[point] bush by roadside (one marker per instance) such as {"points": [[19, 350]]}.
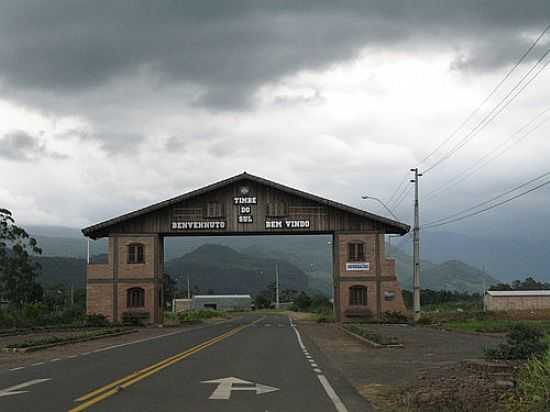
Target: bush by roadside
{"points": [[524, 341], [363, 331], [49, 340], [39, 314], [532, 386], [135, 318], [192, 316]]}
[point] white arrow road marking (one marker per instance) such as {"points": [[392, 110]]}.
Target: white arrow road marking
{"points": [[225, 386], [13, 390]]}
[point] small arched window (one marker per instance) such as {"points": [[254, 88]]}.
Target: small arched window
{"points": [[136, 253], [135, 298], [358, 295], [356, 251]]}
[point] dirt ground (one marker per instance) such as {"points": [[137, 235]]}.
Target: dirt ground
{"points": [[381, 374]]}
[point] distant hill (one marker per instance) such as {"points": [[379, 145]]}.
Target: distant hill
{"points": [[223, 270], [449, 275], [508, 258], [61, 270], [309, 254]]}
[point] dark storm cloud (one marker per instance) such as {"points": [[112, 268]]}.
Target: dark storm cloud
{"points": [[21, 146], [230, 48]]}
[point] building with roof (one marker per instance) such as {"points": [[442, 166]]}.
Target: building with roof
{"points": [[222, 302], [510, 300], [364, 279]]}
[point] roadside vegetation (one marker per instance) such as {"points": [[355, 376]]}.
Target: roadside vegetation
{"points": [[55, 340], [532, 392], [532, 383], [363, 330], [24, 303], [191, 317], [319, 306]]}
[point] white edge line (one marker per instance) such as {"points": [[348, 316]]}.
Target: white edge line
{"points": [[338, 404], [16, 369]]}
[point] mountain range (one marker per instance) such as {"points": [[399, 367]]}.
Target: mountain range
{"points": [[246, 263]]}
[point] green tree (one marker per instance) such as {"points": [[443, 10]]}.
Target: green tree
{"points": [[262, 301], [17, 270], [169, 288], [302, 302]]}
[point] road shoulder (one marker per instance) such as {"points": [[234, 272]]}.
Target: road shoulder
{"points": [[380, 375]]}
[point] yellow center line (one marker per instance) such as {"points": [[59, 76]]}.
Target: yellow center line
{"points": [[113, 388]]}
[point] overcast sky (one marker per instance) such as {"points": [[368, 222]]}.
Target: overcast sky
{"points": [[107, 109]]}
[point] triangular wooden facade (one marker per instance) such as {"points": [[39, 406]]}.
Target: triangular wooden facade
{"points": [[245, 204]]}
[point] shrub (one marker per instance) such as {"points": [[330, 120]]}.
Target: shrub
{"points": [[302, 302], [320, 304], [533, 386], [325, 316], [425, 320], [135, 318], [363, 331], [34, 311], [199, 314], [360, 313], [96, 319], [522, 342], [395, 317], [262, 302]]}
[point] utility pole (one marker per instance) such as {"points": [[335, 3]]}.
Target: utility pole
{"points": [[276, 285], [188, 288], [88, 251], [416, 248]]}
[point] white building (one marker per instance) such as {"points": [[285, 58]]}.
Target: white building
{"points": [[502, 300], [222, 302]]}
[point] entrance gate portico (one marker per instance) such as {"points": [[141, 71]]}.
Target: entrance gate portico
{"points": [[364, 280]]}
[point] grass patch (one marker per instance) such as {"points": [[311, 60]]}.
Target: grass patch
{"points": [[64, 339], [363, 330], [533, 386], [494, 326], [198, 315], [324, 317]]}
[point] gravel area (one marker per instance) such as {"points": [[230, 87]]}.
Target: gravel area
{"points": [[378, 373]]}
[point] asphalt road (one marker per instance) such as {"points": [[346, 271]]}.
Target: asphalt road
{"points": [[253, 363]]}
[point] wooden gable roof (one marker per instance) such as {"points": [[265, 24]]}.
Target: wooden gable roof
{"points": [[103, 228]]}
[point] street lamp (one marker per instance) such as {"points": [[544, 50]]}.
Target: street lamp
{"points": [[365, 197]]}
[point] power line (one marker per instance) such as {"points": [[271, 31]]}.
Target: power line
{"points": [[494, 154], [474, 112], [504, 102], [493, 91], [399, 187], [490, 207], [398, 197], [461, 216], [408, 189]]}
